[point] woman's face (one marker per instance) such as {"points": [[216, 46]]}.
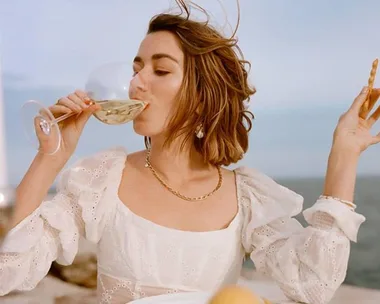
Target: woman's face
{"points": [[158, 69]]}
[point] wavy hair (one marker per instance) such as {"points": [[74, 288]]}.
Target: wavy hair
{"points": [[214, 90]]}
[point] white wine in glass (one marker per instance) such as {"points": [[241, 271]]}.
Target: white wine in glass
{"points": [[116, 112], [108, 86]]}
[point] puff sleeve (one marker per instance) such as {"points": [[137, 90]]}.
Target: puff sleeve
{"points": [[53, 230], [308, 263]]}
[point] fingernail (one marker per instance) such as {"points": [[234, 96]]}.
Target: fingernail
{"points": [[365, 90]]}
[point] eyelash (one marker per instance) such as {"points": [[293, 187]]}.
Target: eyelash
{"points": [[161, 73], [157, 72]]}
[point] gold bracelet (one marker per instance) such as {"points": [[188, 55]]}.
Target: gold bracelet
{"points": [[348, 203]]}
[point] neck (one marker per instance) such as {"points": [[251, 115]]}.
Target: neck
{"points": [[175, 164]]}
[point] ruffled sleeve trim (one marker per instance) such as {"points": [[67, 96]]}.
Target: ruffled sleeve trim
{"points": [[345, 218], [53, 224]]}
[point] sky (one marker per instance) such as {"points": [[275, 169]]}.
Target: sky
{"points": [[309, 61]]}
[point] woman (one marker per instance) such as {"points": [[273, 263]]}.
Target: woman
{"points": [[170, 218]]}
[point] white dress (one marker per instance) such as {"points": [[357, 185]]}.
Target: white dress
{"points": [[138, 258]]}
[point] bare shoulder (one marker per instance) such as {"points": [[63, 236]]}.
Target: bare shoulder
{"points": [[136, 159]]}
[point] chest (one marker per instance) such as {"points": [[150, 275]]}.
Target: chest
{"points": [[150, 255], [145, 196]]}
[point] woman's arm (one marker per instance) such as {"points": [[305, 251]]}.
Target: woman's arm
{"points": [[351, 137], [35, 186], [341, 174], [45, 168]]}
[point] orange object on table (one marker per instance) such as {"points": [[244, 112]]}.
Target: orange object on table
{"points": [[236, 295]]}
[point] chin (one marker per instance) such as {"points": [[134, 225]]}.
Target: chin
{"points": [[140, 127], [143, 128]]}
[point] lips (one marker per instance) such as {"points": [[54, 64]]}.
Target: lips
{"points": [[146, 104], [137, 98]]}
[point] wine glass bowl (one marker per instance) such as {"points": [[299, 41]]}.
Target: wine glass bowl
{"points": [[117, 112]]}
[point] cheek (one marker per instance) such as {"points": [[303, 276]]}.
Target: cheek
{"points": [[169, 89]]}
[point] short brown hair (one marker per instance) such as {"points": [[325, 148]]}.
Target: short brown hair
{"points": [[213, 91]]}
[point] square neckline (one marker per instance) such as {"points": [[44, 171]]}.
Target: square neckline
{"points": [[116, 178]]}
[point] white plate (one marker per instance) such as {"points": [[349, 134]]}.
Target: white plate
{"points": [[177, 298]]}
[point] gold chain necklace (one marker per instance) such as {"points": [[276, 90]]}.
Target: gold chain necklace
{"points": [[184, 197]]}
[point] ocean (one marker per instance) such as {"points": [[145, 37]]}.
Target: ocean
{"points": [[364, 262]]}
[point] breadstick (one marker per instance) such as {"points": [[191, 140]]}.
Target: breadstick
{"points": [[371, 80], [372, 76]]}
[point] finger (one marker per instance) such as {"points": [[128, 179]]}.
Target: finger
{"points": [[82, 95], [47, 136], [374, 117], [374, 97], [359, 100], [375, 139], [363, 112], [77, 100], [38, 122], [371, 101], [70, 104], [58, 110], [85, 115]]}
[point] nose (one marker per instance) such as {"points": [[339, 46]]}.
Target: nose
{"points": [[138, 83]]}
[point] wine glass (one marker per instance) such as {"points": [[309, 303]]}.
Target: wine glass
{"points": [[108, 86]]}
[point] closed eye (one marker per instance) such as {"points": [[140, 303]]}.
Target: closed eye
{"points": [[161, 73]]}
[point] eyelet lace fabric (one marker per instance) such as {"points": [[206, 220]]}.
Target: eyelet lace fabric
{"points": [[138, 258]]}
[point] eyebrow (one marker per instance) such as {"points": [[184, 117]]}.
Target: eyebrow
{"points": [[157, 56]]}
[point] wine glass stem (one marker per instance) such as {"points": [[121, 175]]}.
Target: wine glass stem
{"points": [[63, 117]]}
